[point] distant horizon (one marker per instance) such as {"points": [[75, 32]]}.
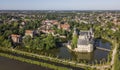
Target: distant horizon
{"points": [[60, 5], [53, 10]]}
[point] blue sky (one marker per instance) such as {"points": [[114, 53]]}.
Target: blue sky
{"points": [[60, 4]]}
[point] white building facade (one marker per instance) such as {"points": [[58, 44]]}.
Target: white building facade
{"points": [[85, 41]]}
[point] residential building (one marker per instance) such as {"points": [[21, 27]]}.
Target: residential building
{"points": [[50, 22], [64, 26], [48, 31], [29, 33], [116, 21], [16, 38]]}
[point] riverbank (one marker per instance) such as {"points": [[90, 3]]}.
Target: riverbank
{"points": [[40, 58], [33, 62]]}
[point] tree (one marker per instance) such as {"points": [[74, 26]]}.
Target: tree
{"points": [[27, 41], [7, 33], [74, 41], [4, 42], [50, 42], [21, 31]]}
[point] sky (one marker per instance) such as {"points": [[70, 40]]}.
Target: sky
{"points": [[59, 4]]}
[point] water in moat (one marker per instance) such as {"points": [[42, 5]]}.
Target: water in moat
{"points": [[10, 64], [96, 56]]}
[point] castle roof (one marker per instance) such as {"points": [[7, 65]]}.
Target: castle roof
{"points": [[84, 37], [83, 42]]}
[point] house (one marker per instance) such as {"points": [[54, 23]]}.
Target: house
{"points": [[16, 38], [48, 31], [85, 41], [52, 22], [64, 26], [48, 24], [116, 21], [114, 29], [29, 33]]}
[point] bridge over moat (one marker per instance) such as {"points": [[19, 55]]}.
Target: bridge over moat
{"points": [[104, 49]]}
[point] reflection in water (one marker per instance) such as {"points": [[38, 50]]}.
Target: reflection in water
{"points": [[64, 53], [84, 56]]}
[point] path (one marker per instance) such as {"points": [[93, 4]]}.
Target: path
{"points": [[113, 56]]}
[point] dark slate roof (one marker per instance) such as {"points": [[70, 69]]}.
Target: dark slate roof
{"points": [[83, 42], [84, 33]]}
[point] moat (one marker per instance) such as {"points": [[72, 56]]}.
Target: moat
{"points": [[63, 53], [97, 55]]}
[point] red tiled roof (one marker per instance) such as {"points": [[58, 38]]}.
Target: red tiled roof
{"points": [[65, 25], [51, 21], [28, 31], [15, 35]]}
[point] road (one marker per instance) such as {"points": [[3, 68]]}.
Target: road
{"points": [[113, 56]]}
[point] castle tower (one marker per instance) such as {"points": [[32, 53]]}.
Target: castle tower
{"points": [[91, 32], [75, 32]]}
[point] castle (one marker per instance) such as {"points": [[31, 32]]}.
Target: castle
{"points": [[85, 41]]}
